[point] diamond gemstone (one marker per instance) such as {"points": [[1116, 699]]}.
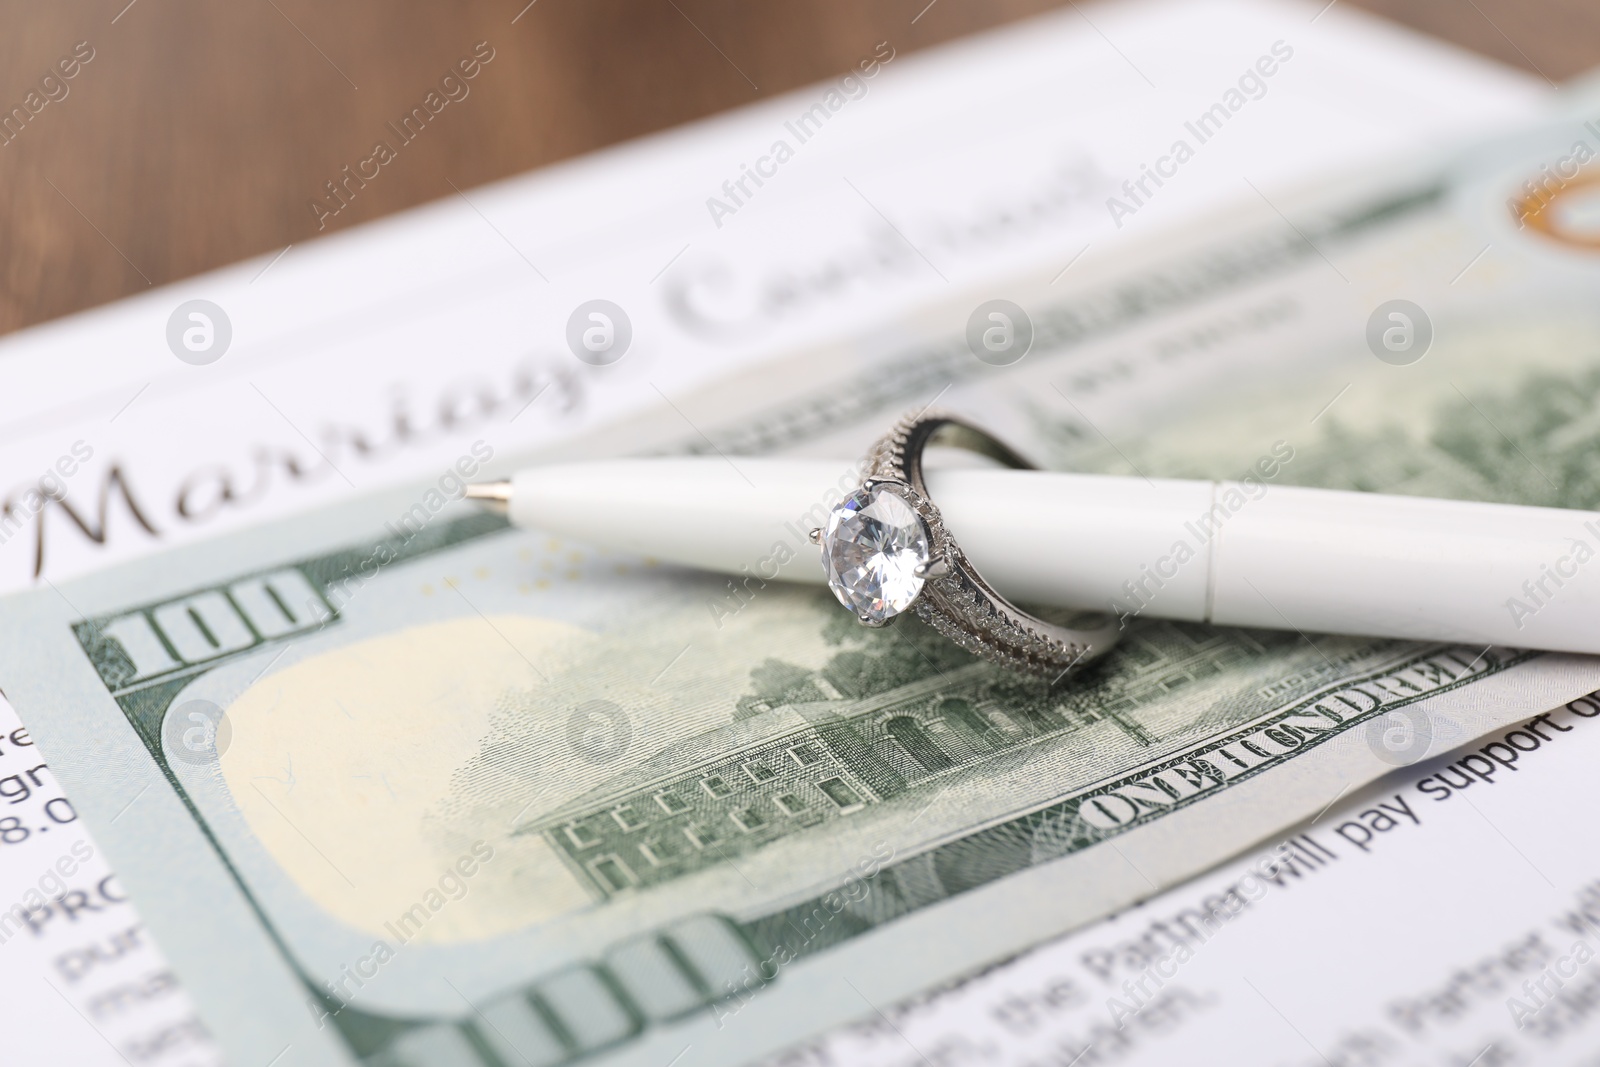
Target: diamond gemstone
{"points": [[872, 546]]}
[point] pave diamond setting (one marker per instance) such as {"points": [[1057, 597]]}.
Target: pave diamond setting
{"points": [[876, 549], [886, 550]]}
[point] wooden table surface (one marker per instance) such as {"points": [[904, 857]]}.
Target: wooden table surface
{"points": [[198, 131]]}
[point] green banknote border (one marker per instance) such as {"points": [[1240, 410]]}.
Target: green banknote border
{"points": [[145, 703]]}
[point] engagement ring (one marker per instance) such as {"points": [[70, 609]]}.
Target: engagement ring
{"points": [[886, 550]]}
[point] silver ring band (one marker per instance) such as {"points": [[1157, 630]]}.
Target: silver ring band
{"points": [[915, 563]]}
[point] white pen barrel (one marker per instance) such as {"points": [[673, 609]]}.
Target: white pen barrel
{"points": [[1080, 540], [1070, 540], [694, 512], [1367, 563], [1273, 556]]}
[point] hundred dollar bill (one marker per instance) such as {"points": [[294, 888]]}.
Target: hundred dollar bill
{"points": [[397, 784]]}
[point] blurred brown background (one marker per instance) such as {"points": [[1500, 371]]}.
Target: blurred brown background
{"points": [[199, 131]]}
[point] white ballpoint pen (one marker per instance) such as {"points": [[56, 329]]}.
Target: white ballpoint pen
{"points": [[1252, 554]]}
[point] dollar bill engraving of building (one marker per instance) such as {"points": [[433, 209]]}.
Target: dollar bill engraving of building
{"points": [[787, 766]]}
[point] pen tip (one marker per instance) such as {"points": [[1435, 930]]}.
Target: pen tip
{"points": [[496, 496]]}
